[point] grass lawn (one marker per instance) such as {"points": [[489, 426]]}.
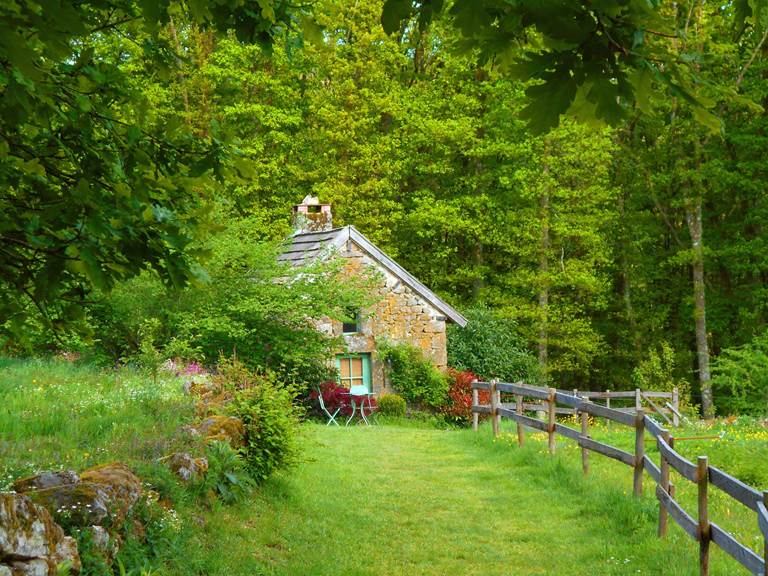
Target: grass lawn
{"points": [[389, 500], [384, 500]]}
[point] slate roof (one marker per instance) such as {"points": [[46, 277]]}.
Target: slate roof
{"points": [[307, 246]]}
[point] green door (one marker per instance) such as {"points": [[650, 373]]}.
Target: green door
{"points": [[354, 370]]}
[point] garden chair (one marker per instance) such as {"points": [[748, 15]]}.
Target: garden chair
{"points": [[331, 417]]}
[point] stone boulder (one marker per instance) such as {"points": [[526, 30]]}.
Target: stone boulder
{"points": [[103, 493], [46, 480], [31, 543], [226, 428], [34, 567], [103, 543], [186, 467], [210, 397]]}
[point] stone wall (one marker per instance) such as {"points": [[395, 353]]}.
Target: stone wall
{"points": [[400, 315]]}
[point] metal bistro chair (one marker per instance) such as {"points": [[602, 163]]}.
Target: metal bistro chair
{"points": [[331, 417]]}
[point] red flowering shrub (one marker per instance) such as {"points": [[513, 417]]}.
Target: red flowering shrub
{"points": [[459, 406], [336, 396]]}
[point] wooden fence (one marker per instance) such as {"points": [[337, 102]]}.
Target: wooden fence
{"points": [[700, 473]]}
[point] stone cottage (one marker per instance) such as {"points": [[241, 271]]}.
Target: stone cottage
{"points": [[407, 311]]}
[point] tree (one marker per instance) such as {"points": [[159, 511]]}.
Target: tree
{"points": [[583, 56], [94, 191]]}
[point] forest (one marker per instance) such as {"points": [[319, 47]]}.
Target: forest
{"points": [[615, 216]]}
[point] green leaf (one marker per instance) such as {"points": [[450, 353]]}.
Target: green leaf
{"points": [[393, 13], [311, 30], [642, 83], [708, 119], [549, 101]]}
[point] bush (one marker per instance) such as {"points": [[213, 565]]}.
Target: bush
{"points": [[271, 426], [491, 347], [413, 376], [227, 476], [740, 378], [392, 405], [459, 407], [657, 372], [335, 396]]}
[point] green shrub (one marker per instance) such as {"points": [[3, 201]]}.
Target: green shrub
{"points": [[392, 405], [271, 426], [93, 561], [227, 475], [658, 372], [491, 347], [413, 376], [152, 532], [740, 378]]}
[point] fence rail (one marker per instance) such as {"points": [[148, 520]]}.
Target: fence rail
{"points": [[579, 403]]}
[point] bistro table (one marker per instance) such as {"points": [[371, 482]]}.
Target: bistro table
{"points": [[359, 394]]}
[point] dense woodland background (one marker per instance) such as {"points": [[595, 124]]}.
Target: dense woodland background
{"points": [[625, 255]]}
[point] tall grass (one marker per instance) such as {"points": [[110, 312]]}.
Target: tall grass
{"points": [[54, 415]]}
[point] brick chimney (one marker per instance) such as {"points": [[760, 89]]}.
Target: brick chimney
{"points": [[311, 216]]}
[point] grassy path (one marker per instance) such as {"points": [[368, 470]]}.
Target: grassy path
{"points": [[402, 501]]}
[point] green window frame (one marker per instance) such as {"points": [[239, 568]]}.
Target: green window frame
{"points": [[352, 326], [354, 370]]}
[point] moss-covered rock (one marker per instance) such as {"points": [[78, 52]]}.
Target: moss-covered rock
{"points": [[31, 543], [226, 428], [46, 480], [186, 467], [123, 487], [80, 504], [103, 496]]}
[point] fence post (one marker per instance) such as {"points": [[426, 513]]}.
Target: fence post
{"points": [[639, 452], [520, 427], [676, 404], [638, 400], [498, 414], [765, 537], [475, 402], [551, 420], [702, 479], [664, 483], [585, 434], [494, 409], [608, 405]]}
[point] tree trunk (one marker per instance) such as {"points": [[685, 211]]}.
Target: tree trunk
{"points": [[479, 282], [544, 271], [626, 287], [693, 218]]}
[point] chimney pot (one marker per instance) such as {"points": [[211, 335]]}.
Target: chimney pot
{"points": [[312, 216]]}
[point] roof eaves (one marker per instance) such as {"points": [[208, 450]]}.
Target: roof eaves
{"points": [[405, 276]]}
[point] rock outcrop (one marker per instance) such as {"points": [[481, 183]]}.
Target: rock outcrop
{"points": [[226, 428], [46, 480], [186, 467], [31, 543], [100, 495]]}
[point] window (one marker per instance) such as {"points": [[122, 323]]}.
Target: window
{"points": [[353, 326], [354, 370]]}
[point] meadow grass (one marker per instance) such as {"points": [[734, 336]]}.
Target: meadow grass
{"points": [[385, 500], [391, 500], [57, 415]]}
